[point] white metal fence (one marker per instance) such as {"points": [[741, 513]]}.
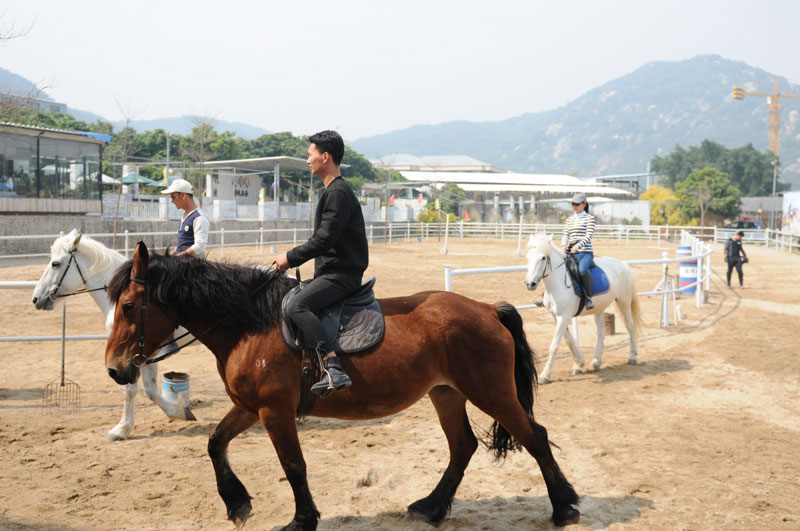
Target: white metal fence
{"points": [[414, 230]]}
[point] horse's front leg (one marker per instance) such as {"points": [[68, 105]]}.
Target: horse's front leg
{"points": [[577, 357], [282, 429], [561, 328], [174, 410], [600, 322], [231, 490], [124, 429]]}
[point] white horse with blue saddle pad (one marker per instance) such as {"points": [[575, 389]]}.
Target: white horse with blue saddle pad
{"points": [[613, 282]]}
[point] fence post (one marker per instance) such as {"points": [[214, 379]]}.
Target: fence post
{"points": [[126, 243], [698, 300], [448, 279], [665, 294], [261, 239], [461, 230], [390, 233], [371, 239], [408, 231], [222, 240]]}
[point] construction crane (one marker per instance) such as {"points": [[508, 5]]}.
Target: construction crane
{"points": [[774, 101]]}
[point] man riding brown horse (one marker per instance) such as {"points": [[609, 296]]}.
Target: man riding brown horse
{"points": [[339, 249]]}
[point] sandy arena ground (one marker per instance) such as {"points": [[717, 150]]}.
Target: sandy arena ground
{"points": [[704, 433]]}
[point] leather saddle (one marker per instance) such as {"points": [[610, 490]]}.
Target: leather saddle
{"points": [[353, 324], [600, 282]]}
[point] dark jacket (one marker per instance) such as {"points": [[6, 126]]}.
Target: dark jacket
{"points": [[339, 242], [732, 250]]}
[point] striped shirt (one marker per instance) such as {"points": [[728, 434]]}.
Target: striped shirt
{"points": [[579, 232]]}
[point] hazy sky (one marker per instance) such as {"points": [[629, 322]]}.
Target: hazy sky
{"points": [[369, 67]]}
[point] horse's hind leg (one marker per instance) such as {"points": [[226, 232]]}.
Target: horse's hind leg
{"points": [[600, 322], [231, 490], [124, 429], [508, 412], [282, 429], [174, 410], [450, 407], [627, 316]]}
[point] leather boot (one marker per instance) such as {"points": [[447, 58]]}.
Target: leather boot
{"points": [[333, 378], [588, 284]]}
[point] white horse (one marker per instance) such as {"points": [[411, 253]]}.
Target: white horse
{"points": [[546, 262], [79, 264]]}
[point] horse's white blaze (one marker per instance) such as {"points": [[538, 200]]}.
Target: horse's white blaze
{"points": [[97, 264], [546, 267]]}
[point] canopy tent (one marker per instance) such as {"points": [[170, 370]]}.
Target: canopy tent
{"points": [[135, 178]]}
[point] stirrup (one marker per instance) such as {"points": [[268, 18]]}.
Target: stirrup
{"points": [[589, 304]]}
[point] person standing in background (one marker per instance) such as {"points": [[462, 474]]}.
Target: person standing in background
{"points": [[193, 230], [735, 257]]}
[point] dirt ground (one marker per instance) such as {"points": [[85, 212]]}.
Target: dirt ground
{"points": [[704, 433]]}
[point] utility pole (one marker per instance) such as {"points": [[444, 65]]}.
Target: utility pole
{"points": [[772, 222]]}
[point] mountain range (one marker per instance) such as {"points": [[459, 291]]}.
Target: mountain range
{"points": [[180, 125], [616, 128]]}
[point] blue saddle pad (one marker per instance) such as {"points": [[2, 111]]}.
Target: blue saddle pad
{"points": [[600, 284]]}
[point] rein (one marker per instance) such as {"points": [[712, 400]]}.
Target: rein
{"points": [[55, 295], [140, 355]]}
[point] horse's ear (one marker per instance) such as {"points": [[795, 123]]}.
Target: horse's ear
{"points": [[77, 239], [141, 260], [531, 241]]}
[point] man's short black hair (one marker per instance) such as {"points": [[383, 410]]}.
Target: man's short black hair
{"points": [[329, 142], [740, 233]]}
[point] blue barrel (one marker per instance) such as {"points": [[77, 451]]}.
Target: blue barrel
{"points": [[174, 385], [687, 272]]}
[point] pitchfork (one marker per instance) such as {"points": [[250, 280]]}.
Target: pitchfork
{"points": [[62, 393]]}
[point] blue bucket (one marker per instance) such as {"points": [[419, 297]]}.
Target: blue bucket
{"points": [[687, 270], [174, 385]]}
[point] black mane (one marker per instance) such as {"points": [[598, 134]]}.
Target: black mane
{"points": [[229, 294]]}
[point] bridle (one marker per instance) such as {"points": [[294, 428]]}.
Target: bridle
{"points": [[549, 266], [140, 360], [54, 293]]}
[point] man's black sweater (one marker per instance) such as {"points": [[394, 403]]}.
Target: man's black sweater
{"points": [[339, 242]]}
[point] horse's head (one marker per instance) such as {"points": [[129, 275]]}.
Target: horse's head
{"points": [[539, 249], [140, 325], [64, 273]]}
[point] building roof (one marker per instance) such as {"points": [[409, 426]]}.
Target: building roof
{"points": [[50, 132], [514, 182], [406, 162], [260, 165]]}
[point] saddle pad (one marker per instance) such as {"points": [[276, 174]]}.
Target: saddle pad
{"points": [[352, 327], [600, 284]]}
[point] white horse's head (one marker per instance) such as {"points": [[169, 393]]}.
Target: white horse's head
{"points": [[540, 249], [74, 260]]}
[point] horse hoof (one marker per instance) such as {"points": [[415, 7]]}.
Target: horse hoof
{"points": [[239, 517], [571, 516], [575, 372], [188, 415], [631, 361], [116, 434], [543, 380], [595, 366]]}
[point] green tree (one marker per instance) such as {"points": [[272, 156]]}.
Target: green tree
{"points": [[450, 196], [748, 169], [708, 189]]}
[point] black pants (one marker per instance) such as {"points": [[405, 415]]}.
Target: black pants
{"points": [[318, 294], [735, 261]]}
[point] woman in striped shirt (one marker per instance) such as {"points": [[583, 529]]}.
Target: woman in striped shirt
{"points": [[577, 240]]}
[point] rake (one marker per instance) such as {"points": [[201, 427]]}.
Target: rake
{"points": [[62, 393]]}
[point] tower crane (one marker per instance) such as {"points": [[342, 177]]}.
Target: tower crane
{"points": [[774, 101]]}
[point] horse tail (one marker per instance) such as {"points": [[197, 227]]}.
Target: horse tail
{"points": [[636, 315], [524, 377]]}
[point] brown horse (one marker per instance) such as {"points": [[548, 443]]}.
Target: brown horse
{"points": [[450, 347]]}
